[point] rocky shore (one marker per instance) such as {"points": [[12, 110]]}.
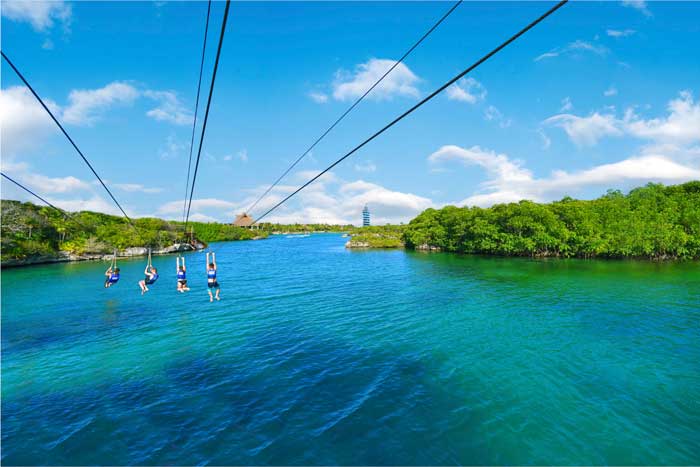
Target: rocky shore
{"points": [[375, 240], [357, 244], [65, 257]]}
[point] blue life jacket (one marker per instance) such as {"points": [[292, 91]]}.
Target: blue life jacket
{"points": [[181, 275], [153, 278], [114, 278], [211, 274]]}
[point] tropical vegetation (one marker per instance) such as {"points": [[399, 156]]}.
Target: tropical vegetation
{"points": [[29, 230], [303, 228], [654, 221], [377, 236]]}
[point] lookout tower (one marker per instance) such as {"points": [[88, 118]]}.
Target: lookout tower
{"points": [[243, 220], [365, 217]]}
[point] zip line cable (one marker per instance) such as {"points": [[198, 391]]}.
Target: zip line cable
{"points": [[29, 86], [196, 109], [62, 211], [206, 113], [419, 104], [32, 193], [330, 128]]}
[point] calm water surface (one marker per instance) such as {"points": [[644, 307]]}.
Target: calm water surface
{"points": [[318, 355]]}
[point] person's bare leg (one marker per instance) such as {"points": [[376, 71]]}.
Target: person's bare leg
{"points": [[217, 294], [211, 298]]}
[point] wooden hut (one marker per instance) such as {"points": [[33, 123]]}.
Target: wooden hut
{"points": [[244, 220]]}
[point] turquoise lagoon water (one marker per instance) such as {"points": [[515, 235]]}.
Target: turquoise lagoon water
{"points": [[318, 355]]}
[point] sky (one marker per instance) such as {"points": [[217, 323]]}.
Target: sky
{"points": [[601, 95]]}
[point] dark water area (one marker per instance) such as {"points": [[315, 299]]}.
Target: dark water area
{"points": [[320, 355]]}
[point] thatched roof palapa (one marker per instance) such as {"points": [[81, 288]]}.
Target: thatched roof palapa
{"points": [[243, 220]]}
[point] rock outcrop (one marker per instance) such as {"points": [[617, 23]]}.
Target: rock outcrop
{"points": [[357, 244], [426, 247]]}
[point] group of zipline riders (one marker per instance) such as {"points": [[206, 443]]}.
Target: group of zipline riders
{"points": [[151, 275]]}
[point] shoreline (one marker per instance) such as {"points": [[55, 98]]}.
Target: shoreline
{"points": [[136, 252], [130, 252], [364, 245]]}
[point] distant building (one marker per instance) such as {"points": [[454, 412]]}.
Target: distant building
{"points": [[243, 220], [365, 217]]}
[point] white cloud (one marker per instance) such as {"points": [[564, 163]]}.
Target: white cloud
{"points": [[85, 105], [47, 44], [386, 205], [546, 141], [586, 131], [172, 148], [368, 167], [241, 155], [498, 165], [329, 200], [580, 45], [47, 187], [546, 55], [509, 181], [197, 217], [577, 46], [175, 207], [620, 33], [489, 199], [492, 114], [169, 108], [467, 90], [566, 104], [40, 14], [611, 91], [640, 5], [94, 203], [681, 126], [318, 97], [400, 82], [304, 175], [137, 188], [44, 184], [23, 122], [638, 169], [56, 184]]}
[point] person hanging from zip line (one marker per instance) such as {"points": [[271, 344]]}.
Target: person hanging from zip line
{"points": [[151, 274], [181, 276], [212, 283], [112, 277], [112, 273]]}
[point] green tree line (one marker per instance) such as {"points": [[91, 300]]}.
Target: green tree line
{"points": [[30, 230], [303, 228], [654, 221], [379, 236]]}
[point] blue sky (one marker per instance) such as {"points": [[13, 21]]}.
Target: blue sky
{"points": [[600, 95]]}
